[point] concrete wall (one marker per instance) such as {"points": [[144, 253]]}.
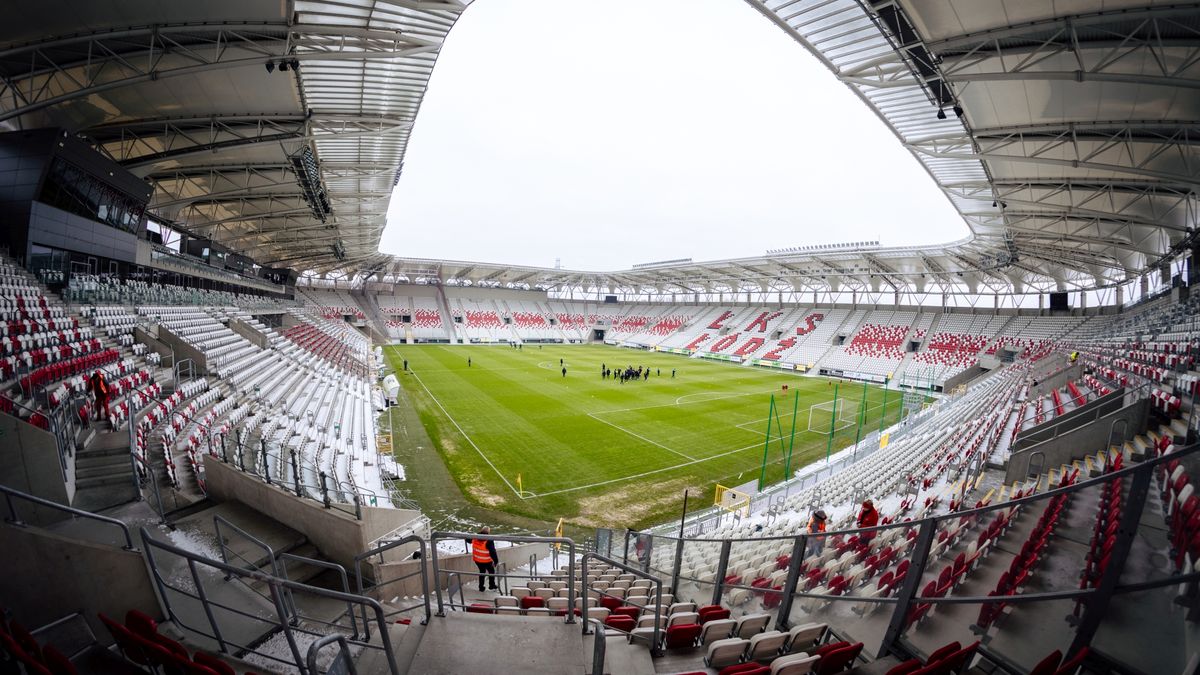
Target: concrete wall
{"points": [[337, 534], [47, 576], [1085, 440], [182, 349], [963, 377], [1070, 421], [146, 338], [254, 336], [29, 462], [513, 557], [1045, 382]]}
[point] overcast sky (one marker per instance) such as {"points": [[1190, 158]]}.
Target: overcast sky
{"points": [[613, 133]]}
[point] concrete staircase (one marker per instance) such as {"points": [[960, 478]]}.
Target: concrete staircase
{"points": [[447, 317], [375, 317]]}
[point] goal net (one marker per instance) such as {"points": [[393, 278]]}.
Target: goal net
{"points": [[821, 416], [732, 500]]}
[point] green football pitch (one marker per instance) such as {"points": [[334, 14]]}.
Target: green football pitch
{"points": [[520, 437]]}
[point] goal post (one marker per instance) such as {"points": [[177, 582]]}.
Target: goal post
{"points": [[837, 415]]}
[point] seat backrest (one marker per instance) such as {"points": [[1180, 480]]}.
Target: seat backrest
{"points": [[825, 649], [839, 659], [621, 622], [909, 666], [683, 618], [794, 664], [943, 651], [718, 629], [56, 662], [804, 636], [958, 660], [126, 641], [725, 652], [1071, 666], [766, 644], [532, 601], [25, 639], [212, 662], [752, 624], [682, 607], [141, 623]]}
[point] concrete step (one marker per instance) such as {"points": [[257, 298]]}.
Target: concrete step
{"points": [[102, 481], [620, 657], [110, 466]]}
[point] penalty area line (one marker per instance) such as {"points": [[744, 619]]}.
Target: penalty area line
{"points": [[641, 437], [464, 434]]}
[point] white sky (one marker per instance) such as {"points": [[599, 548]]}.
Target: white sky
{"points": [[613, 133]]}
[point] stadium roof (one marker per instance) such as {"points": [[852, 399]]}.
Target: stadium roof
{"points": [[279, 128]]}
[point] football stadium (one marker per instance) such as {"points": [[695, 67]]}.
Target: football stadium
{"points": [[269, 404]]}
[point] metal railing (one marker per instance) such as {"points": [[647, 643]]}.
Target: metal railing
{"points": [[195, 588], [270, 559], [15, 518], [656, 583], [922, 542], [342, 663], [599, 646], [511, 538], [379, 583]]}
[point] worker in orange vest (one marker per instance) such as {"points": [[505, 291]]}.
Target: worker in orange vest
{"points": [[816, 525], [483, 552]]}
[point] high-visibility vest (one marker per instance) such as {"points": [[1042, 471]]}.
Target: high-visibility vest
{"points": [[480, 552], [815, 525]]}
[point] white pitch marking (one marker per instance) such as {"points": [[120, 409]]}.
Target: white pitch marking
{"points": [[639, 436], [460, 430]]}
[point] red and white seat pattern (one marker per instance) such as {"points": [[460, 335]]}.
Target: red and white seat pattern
{"points": [[427, 318], [482, 319], [879, 341], [326, 346]]}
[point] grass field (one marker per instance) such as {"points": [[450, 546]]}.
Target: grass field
{"points": [[602, 453]]}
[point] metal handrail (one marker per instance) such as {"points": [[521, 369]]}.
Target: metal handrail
{"points": [[379, 551], [315, 648], [277, 588], [326, 564], [271, 556], [15, 518], [599, 646], [658, 584], [512, 538]]}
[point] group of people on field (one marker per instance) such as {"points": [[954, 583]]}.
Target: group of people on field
{"points": [[630, 373]]}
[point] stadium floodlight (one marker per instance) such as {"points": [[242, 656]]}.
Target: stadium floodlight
{"points": [[941, 114], [283, 65], [958, 110]]}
